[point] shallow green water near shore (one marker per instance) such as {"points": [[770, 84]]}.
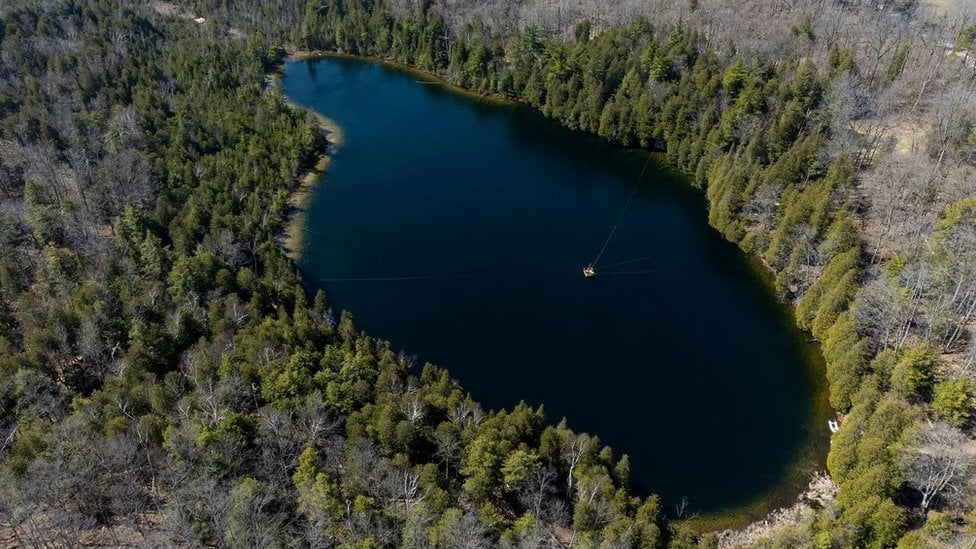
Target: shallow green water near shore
{"points": [[478, 218]]}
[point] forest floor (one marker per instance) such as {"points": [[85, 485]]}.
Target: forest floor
{"points": [[909, 134], [140, 530], [943, 6], [169, 9]]}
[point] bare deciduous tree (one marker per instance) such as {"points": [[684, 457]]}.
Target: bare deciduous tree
{"points": [[938, 459], [576, 447]]}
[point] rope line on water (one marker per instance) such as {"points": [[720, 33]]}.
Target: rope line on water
{"points": [[627, 262], [622, 212], [622, 273], [468, 277], [393, 278]]}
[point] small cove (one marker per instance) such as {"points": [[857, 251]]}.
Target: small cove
{"points": [[692, 368]]}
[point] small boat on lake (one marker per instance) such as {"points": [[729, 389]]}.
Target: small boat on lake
{"points": [[589, 271]]}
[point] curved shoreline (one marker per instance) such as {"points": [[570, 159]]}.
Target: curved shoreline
{"points": [[425, 76], [798, 484], [292, 238], [786, 495]]}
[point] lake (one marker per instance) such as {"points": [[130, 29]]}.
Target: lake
{"points": [[457, 229]]}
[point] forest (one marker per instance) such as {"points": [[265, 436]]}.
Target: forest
{"points": [[166, 380]]}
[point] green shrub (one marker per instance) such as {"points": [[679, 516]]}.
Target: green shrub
{"points": [[912, 374], [952, 401]]}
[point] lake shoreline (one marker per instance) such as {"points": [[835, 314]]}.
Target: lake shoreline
{"points": [[805, 485], [819, 494], [425, 76], [292, 237], [764, 507]]}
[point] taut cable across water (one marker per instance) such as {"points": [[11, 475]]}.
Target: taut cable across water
{"points": [[622, 212]]}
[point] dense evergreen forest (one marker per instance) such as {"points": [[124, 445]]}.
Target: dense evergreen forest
{"points": [[165, 379]]}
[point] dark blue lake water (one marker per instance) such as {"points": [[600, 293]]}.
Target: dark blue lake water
{"points": [[691, 366]]}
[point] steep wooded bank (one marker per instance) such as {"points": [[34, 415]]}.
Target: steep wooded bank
{"points": [[163, 374], [809, 161]]}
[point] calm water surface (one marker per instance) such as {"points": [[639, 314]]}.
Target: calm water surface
{"points": [[691, 367]]}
